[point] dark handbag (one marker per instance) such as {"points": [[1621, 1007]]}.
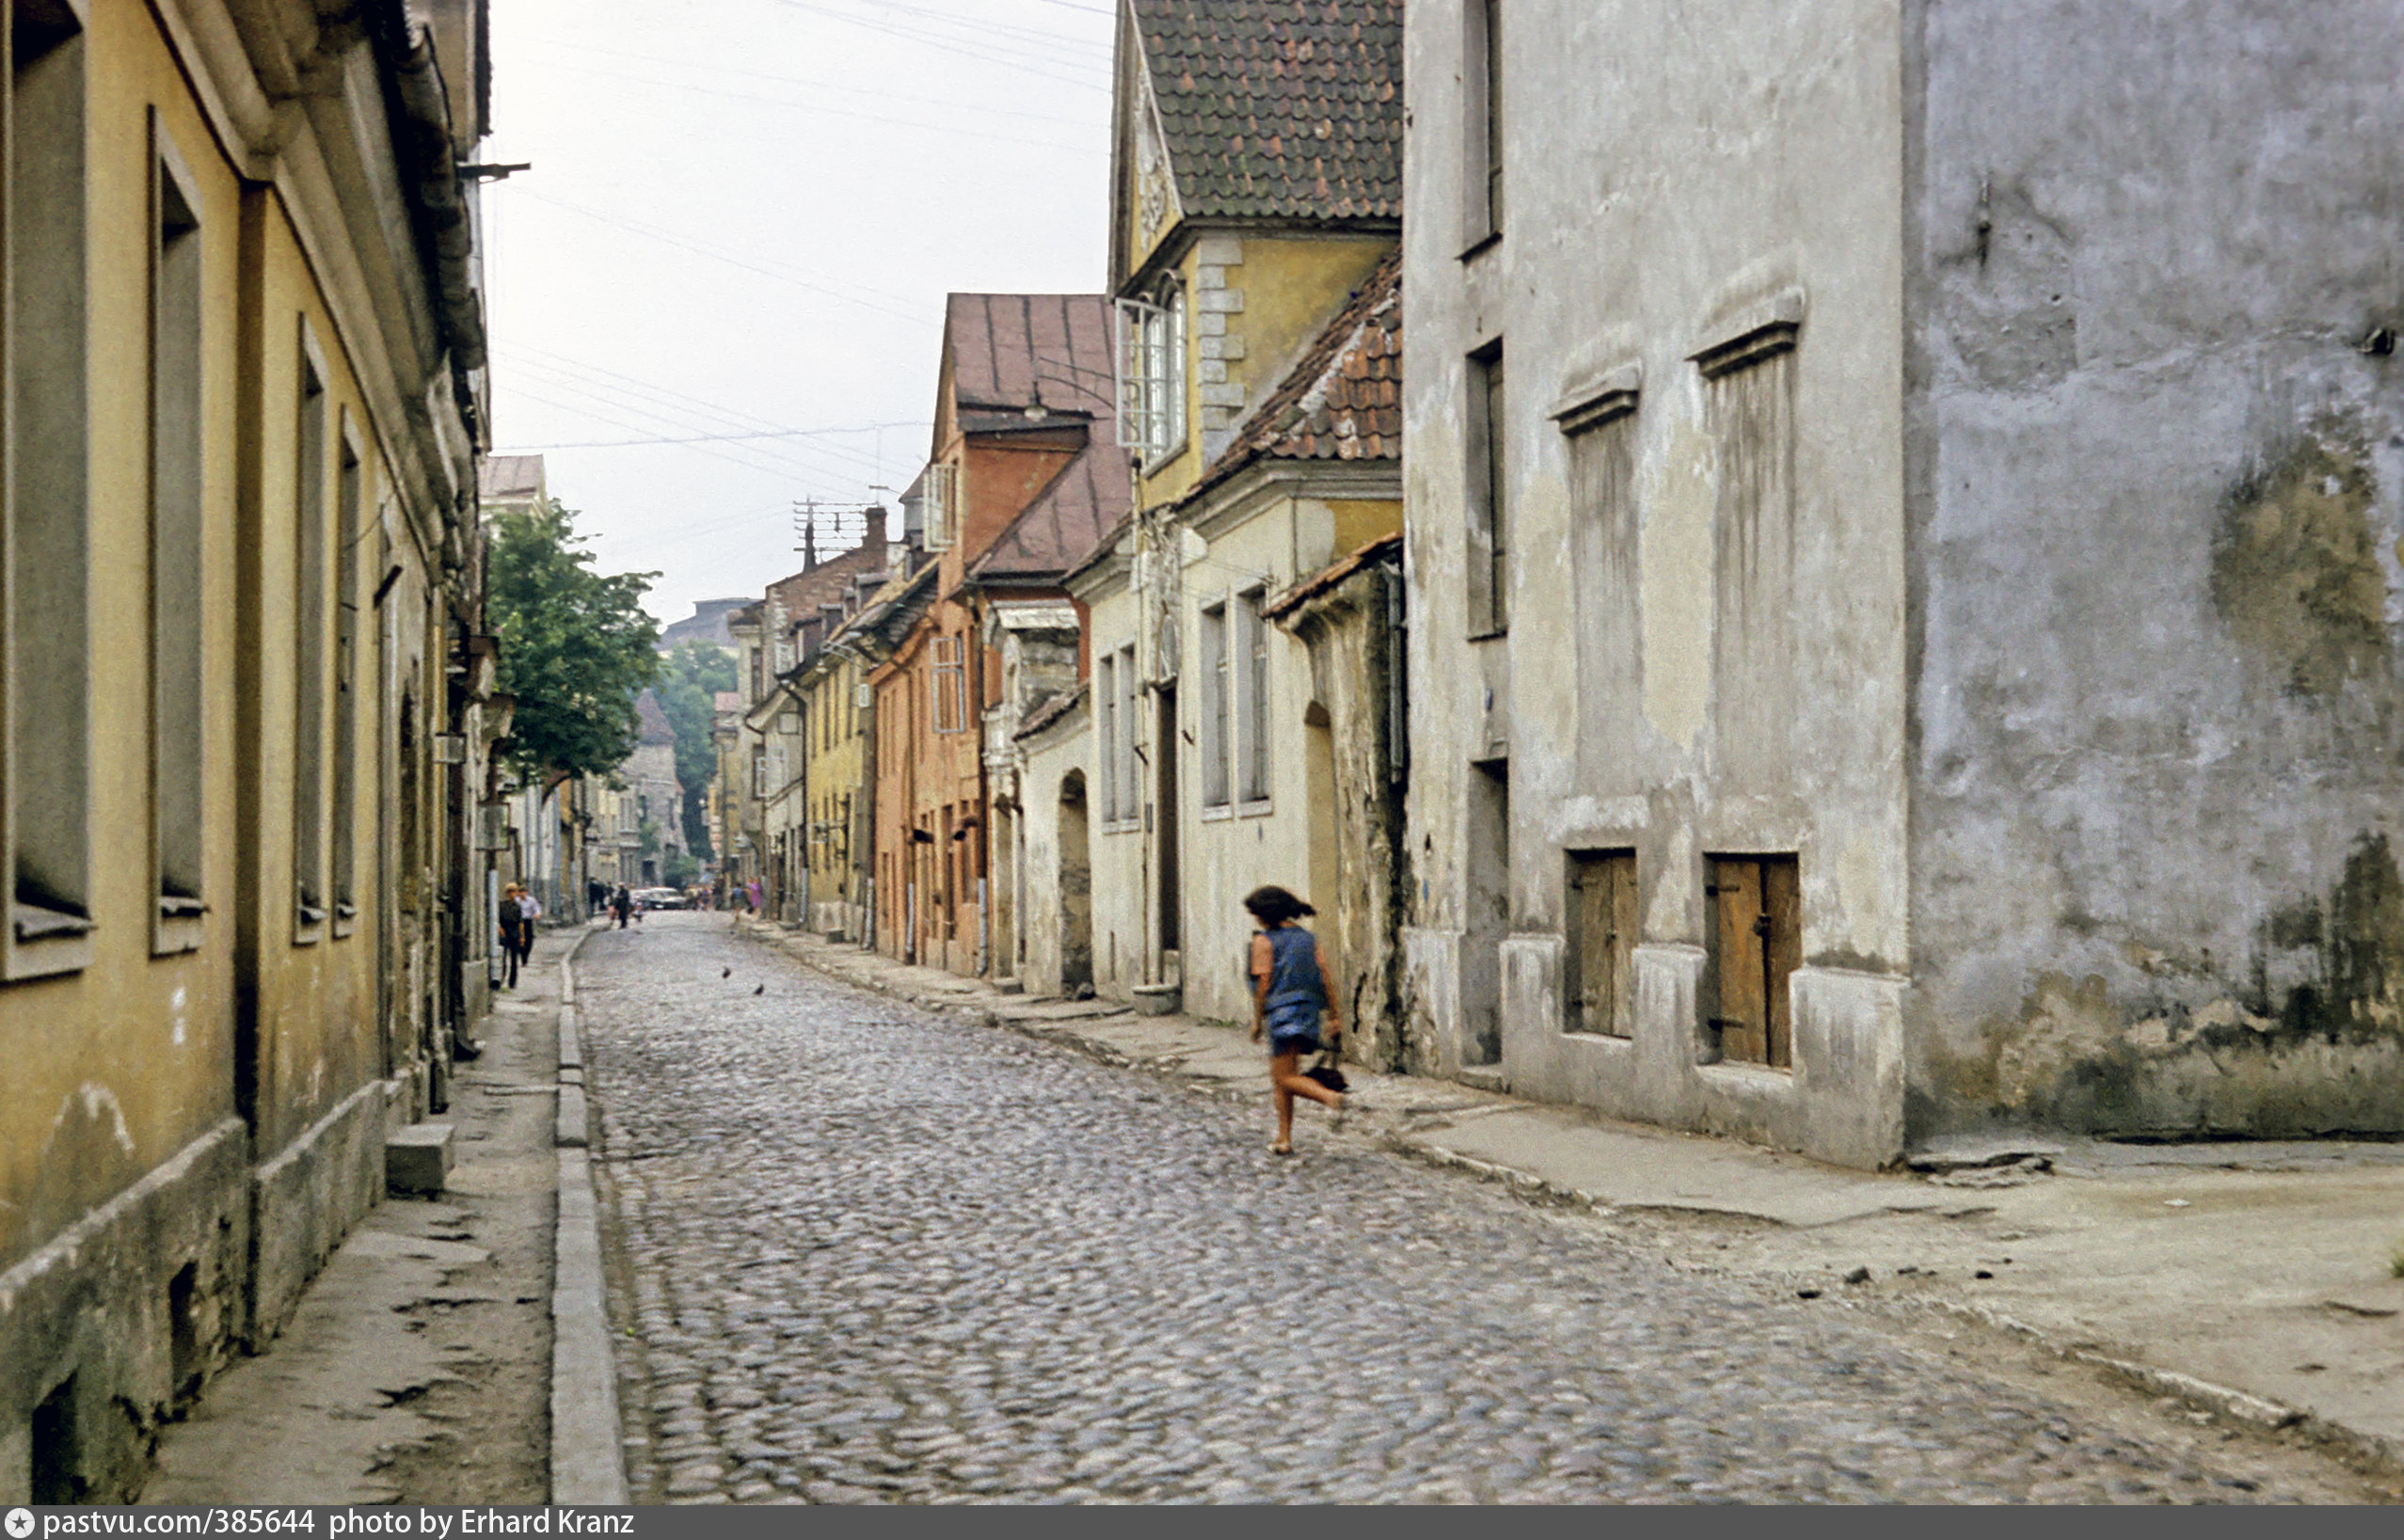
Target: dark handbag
{"points": [[1326, 1074]]}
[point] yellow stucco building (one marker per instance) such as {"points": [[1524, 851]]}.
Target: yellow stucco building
{"points": [[1255, 211], [242, 362]]}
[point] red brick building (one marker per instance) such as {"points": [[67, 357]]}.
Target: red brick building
{"points": [[1021, 481]]}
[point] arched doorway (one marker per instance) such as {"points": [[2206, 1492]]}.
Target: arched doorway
{"points": [[1076, 888]]}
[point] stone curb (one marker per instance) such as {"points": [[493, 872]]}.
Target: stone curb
{"points": [[2199, 1395], [588, 1466]]}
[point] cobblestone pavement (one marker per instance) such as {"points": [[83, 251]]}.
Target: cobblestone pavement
{"points": [[874, 1254]]}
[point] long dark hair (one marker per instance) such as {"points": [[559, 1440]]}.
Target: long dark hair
{"points": [[1274, 906]]}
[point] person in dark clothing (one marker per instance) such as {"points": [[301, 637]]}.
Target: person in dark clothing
{"points": [[596, 898], [512, 928], [1291, 994], [622, 905]]}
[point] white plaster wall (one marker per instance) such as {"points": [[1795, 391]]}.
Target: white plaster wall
{"points": [[1116, 847], [1229, 851]]}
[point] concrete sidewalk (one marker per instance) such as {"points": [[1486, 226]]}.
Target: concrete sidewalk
{"points": [[2249, 1280], [417, 1366]]}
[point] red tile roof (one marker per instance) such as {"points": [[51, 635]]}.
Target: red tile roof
{"points": [[1343, 399], [1280, 108]]}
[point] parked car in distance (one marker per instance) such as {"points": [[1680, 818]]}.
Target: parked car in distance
{"points": [[661, 899]]}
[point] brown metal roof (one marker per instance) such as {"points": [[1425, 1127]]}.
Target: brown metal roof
{"points": [[1009, 351], [1054, 532], [1279, 109]]}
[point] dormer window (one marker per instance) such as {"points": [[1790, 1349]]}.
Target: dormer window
{"points": [[1152, 374]]}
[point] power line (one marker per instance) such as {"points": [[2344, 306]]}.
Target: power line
{"points": [[712, 438], [838, 112], [669, 404], [637, 227], [715, 69]]}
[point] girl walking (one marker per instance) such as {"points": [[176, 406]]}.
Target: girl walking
{"points": [[1291, 993]]}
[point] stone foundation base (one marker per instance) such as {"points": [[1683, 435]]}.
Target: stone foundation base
{"points": [[114, 1324]]}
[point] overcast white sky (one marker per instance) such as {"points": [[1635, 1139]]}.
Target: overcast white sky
{"points": [[743, 219]]}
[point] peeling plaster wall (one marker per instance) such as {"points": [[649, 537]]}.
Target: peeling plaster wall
{"points": [[2157, 517], [1669, 171]]}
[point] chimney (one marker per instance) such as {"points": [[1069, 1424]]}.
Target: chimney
{"points": [[872, 527]]}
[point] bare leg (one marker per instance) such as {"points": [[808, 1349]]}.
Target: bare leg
{"points": [[1287, 1082]]}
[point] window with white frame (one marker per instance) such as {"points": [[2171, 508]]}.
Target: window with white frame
{"points": [[1251, 716], [1152, 374], [952, 685], [939, 506], [1130, 773], [1212, 639]]}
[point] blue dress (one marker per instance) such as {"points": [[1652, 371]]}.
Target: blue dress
{"points": [[1296, 993]]}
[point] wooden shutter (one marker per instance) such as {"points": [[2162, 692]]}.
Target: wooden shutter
{"points": [[1602, 941], [1758, 940]]}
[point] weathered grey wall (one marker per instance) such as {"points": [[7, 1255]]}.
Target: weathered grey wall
{"points": [[1351, 662], [2159, 757], [1674, 174]]}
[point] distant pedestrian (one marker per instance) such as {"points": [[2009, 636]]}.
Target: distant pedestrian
{"points": [[513, 924], [1291, 995], [622, 905], [757, 899], [596, 898]]}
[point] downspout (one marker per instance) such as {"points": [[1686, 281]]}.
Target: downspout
{"points": [[427, 154]]}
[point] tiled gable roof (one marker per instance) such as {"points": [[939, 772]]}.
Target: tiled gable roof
{"points": [[656, 726], [1343, 399], [1279, 109]]}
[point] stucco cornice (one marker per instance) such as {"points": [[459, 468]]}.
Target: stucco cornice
{"points": [[1261, 486]]}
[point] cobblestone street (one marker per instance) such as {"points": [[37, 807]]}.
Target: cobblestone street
{"points": [[877, 1254]]}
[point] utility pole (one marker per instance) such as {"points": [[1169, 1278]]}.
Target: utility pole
{"points": [[806, 516]]}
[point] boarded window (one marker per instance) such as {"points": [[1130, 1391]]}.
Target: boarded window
{"points": [[1215, 711], [1602, 433], [1603, 943], [1489, 488], [1481, 77], [1750, 391], [1757, 940]]}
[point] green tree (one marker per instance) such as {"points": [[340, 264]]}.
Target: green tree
{"points": [[695, 674], [576, 647]]}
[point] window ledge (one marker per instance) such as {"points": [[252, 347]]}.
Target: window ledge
{"points": [[1216, 813], [35, 924], [1256, 810], [1496, 634], [1585, 1034], [1481, 246]]}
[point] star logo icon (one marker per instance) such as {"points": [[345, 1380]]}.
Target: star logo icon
{"points": [[20, 1523]]}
